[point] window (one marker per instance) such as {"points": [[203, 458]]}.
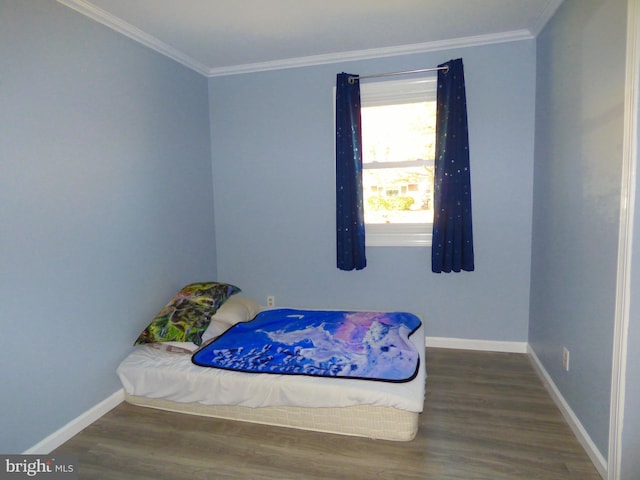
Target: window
{"points": [[398, 150]]}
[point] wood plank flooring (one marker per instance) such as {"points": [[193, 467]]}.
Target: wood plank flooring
{"points": [[487, 417]]}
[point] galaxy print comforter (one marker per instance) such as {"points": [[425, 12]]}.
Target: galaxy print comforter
{"points": [[340, 344]]}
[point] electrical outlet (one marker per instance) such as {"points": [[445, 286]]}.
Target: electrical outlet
{"points": [[565, 358], [271, 301]]}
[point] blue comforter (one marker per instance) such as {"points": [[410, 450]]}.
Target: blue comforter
{"points": [[364, 345]]}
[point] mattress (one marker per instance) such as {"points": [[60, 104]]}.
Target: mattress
{"points": [[170, 381], [383, 423]]}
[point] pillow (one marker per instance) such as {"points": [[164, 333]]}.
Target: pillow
{"points": [[188, 314], [235, 310], [214, 330]]}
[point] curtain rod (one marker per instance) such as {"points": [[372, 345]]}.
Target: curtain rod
{"points": [[352, 79]]}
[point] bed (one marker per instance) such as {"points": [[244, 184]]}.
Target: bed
{"points": [[163, 375]]}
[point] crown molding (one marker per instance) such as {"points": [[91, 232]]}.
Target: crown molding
{"points": [[95, 13], [368, 54]]}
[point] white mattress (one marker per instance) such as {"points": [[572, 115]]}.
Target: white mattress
{"points": [[158, 374], [385, 423]]}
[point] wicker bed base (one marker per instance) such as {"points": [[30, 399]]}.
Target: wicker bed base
{"points": [[383, 423]]}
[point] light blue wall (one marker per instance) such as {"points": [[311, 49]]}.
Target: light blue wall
{"points": [[579, 124], [105, 207], [274, 187]]}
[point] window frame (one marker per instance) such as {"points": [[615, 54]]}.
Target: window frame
{"points": [[391, 92]]}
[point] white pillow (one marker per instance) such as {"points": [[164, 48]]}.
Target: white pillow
{"points": [[235, 310], [215, 329]]}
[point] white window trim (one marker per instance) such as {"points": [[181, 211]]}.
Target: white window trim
{"points": [[390, 93]]}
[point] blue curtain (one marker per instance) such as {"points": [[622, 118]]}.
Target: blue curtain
{"points": [[452, 246], [349, 206]]}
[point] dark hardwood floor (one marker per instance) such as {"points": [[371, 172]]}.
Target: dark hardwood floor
{"points": [[487, 417]]}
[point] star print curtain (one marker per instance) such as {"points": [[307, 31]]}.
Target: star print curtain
{"points": [[349, 205], [452, 247]]}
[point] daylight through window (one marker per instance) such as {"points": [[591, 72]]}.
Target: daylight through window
{"points": [[398, 136]]}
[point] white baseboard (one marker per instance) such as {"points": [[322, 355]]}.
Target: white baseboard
{"points": [[76, 425], [483, 345], [579, 431]]}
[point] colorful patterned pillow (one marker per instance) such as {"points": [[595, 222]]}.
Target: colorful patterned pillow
{"points": [[188, 314]]}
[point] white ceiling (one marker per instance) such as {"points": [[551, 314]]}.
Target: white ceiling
{"points": [[217, 37]]}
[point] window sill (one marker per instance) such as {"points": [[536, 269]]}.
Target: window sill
{"points": [[398, 235]]}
